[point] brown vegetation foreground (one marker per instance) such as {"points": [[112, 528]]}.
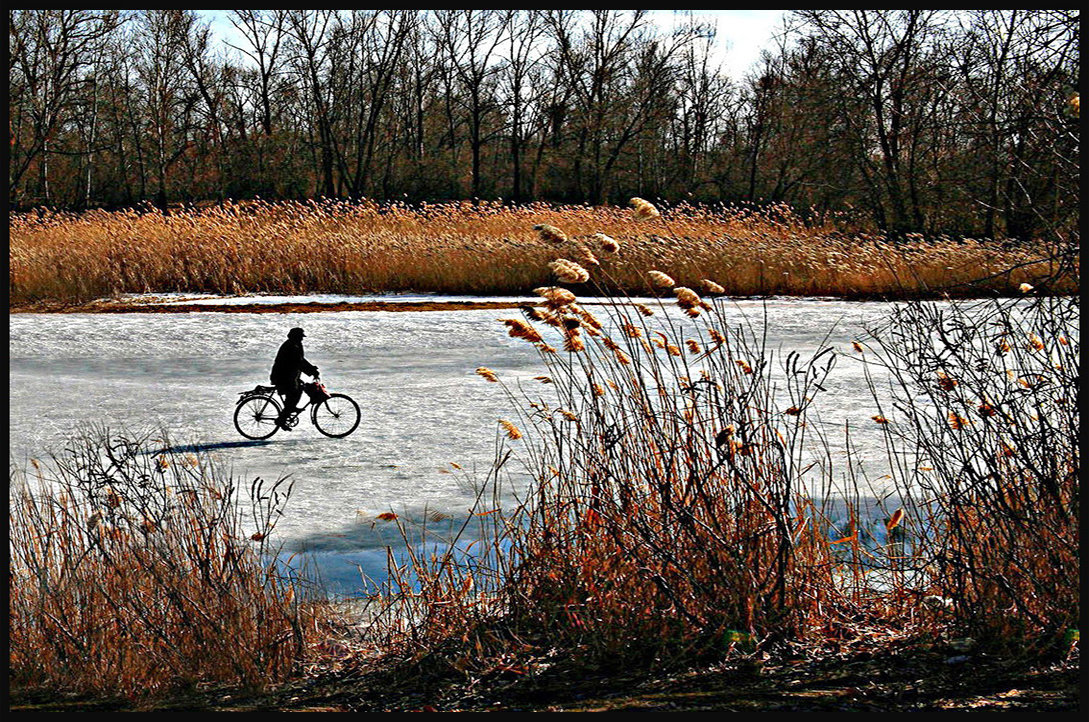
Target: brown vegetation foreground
{"points": [[490, 248], [684, 510], [685, 507], [139, 574]]}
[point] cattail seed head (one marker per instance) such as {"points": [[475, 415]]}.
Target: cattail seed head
{"points": [[687, 298], [661, 280], [518, 328], [551, 234], [531, 313], [556, 297], [644, 209], [710, 286], [956, 421], [487, 374], [569, 271], [608, 243], [573, 342], [587, 318], [587, 256]]}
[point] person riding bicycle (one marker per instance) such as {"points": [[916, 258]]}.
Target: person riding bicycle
{"points": [[289, 364]]}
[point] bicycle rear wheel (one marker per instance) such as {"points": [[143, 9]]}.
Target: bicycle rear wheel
{"points": [[255, 418], [337, 416]]}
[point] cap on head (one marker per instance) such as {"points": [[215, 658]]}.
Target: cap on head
{"points": [[296, 333]]}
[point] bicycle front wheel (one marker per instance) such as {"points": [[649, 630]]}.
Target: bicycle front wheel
{"points": [[337, 416], [255, 418]]}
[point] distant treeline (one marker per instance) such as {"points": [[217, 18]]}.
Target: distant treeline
{"points": [[916, 120]]}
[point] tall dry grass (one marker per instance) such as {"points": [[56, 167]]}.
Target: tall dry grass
{"points": [[486, 248], [675, 512], [135, 574], [684, 503], [986, 399]]}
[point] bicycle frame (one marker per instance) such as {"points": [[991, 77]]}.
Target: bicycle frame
{"points": [[305, 397]]}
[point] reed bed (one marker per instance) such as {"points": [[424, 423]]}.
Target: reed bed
{"points": [[490, 248], [678, 514], [139, 574]]}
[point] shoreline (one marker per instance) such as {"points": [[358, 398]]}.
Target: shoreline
{"points": [[478, 303], [110, 307]]}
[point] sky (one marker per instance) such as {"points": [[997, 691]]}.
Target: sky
{"points": [[741, 34]]}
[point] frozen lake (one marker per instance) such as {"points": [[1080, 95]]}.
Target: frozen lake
{"points": [[411, 372]]}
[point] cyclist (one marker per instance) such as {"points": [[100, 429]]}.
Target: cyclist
{"points": [[289, 364]]}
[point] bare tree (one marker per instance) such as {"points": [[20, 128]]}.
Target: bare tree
{"points": [[310, 33], [170, 100], [524, 51], [48, 51], [470, 39], [264, 34]]}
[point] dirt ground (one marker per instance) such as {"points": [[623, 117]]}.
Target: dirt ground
{"points": [[902, 680], [145, 307]]}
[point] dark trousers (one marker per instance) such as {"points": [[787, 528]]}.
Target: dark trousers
{"points": [[292, 392]]}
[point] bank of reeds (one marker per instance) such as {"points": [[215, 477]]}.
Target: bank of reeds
{"points": [[684, 504], [135, 573], [490, 248]]}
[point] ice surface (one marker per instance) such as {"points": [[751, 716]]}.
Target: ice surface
{"points": [[412, 374]]}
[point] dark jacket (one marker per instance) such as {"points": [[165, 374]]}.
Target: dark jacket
{"points": [[289, 364]]}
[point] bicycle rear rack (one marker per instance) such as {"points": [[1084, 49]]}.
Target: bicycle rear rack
{"points": [[257, 391]]}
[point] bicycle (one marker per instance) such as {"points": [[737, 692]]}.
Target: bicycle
{"points": [[334, 415]]}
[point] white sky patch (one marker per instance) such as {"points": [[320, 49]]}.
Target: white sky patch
{"points": [[740, 36]]}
